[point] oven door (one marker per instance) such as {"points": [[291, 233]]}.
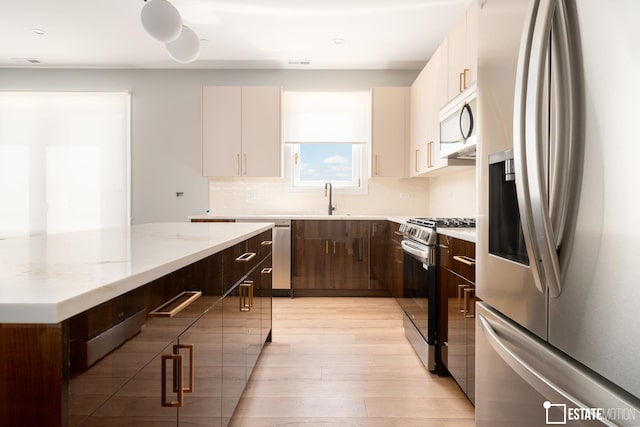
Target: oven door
{"points": [[418, 301]]}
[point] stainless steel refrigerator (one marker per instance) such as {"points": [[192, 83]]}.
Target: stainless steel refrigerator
{"points": [[558, 247]]}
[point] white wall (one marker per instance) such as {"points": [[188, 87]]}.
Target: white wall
{"points": [[166, 135], [453, 194]]}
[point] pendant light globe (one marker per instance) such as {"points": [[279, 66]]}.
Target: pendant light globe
{"points": [[161, 20], [186, 48]]}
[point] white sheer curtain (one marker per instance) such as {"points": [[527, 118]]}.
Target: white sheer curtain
{"points": [[64, 161]]}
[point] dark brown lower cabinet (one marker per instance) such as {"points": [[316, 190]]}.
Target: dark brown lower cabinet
{"points": [[457, 275], [188, 369], [333, 257]]}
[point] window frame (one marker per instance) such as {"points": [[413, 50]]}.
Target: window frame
{"points": [[361, 153]]}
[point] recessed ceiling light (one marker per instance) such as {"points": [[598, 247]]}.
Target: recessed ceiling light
{"points": [[299, 62], [26, 60], [338, 41], [38, 31]]}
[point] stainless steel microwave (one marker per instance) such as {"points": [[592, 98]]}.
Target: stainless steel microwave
{"points": [[458, 126]]}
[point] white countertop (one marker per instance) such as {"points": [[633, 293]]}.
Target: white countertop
{"points": [[468, 234], [50, 278], [273, 217]]}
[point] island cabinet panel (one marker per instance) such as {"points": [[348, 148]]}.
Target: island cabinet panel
{"points": [[333, 257], [31, 366], [122, 364]]}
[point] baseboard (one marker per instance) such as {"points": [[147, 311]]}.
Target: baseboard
{"points": [[341, 293], [281, 292]]}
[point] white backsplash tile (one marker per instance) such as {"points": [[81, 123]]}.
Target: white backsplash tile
{"points": [[274, 196], [451, 195]]}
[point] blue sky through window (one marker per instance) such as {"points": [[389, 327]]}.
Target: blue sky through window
{"points": [[326, 162]]}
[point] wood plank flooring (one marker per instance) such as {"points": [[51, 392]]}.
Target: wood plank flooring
{"points": [[346, 362]]}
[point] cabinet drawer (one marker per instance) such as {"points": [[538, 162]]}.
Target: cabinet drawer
{"points": [[463, 259], [240, 259]]}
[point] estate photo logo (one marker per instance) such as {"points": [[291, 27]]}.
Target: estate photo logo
{"points": [[560, 414]]}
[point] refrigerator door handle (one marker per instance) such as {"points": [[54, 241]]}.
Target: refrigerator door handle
{"points": [[594, 394], [529, 145], [565, 130]]}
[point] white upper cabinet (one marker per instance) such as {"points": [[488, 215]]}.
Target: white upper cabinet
{"points": [[389, 136], [463, 53], [241, 131], [428, 96]]}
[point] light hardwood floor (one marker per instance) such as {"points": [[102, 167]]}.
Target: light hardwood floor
{"points": [[345, 362]]}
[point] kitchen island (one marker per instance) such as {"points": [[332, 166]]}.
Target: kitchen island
{"points": [[80, 344]]}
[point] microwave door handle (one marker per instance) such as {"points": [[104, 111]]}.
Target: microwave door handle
{"points": [[529, 143], [466, 133]]}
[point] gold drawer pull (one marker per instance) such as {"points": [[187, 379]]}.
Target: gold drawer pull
{"points": [[245, 256], [266, 270], [465, 259], [176, 304], [177, 380], [266, 243], [176, 351], [246, 296]]}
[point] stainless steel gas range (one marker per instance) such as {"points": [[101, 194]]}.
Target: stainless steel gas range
{"points": [[418, 295]]}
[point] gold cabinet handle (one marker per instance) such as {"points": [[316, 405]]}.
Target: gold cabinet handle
{"points": [[465, 259], [469, 295], [417, 161], [245, 256], [266, 242], [266, 270], [177, 380], [246, 295], [430, 154], [460, 82], [238, 170], [176, 304], [464, 78], [176, 351], [461, 289]]}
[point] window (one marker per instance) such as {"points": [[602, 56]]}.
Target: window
{"points": [[64, 161], [328, 137]]}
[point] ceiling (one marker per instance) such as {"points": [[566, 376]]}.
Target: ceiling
{"points": [[258, 34]]}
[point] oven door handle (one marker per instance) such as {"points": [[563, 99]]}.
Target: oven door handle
{"points": [[415, 249]]}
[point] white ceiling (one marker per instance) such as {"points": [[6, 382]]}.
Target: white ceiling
{"points": [[378, 34]]}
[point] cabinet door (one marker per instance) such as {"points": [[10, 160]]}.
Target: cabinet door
{"points": [[261, 132], [456, 330], [265, 294], [457, 39], [235, 347], [202, 379], [389, 131], [311, 252], [125, 387], [221, 131], [395, 262], [463, 53], [419, 135], [472, 44], [350, 258], [437, 98], [380, 255]]}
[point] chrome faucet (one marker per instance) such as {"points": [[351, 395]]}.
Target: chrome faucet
{"points": [[330, 207]]}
